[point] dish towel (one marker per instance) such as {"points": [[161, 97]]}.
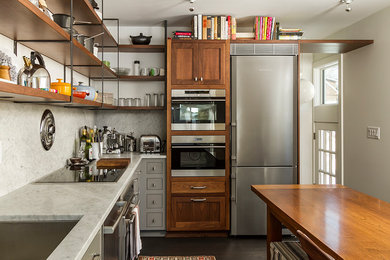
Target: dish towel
{"points": [[137, 232]]}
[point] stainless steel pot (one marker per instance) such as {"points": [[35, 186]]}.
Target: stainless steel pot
{"points": [[63, 20]]}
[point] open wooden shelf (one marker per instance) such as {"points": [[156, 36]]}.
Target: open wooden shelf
{"points": [[84, 12], [316, 46], [137, 48], [24, 22], [18, 93], [332, 46]]}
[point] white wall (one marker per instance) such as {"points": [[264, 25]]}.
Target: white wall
{"points": [[306, 125], [23, 158], [367, 103]]}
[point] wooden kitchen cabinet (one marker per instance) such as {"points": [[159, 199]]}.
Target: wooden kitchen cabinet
{"points": [[184, 68], [211, 67], [198, 187], [198, 213], [198, 62]]}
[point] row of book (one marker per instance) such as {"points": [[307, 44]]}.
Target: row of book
{"points": [[290, 34], [207, 27], [266, 28]]}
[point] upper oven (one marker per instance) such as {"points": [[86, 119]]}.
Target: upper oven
{"points": [[198, 156], [198, 109]]}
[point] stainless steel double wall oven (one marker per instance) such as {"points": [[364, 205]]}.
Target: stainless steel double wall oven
{"points": [[198, 110]]}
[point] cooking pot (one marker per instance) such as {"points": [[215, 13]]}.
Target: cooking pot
{"points": [[63, 20], [140, 39], [94, 4], [62, 87], [91, 92], [79, 94], [34, 75]]}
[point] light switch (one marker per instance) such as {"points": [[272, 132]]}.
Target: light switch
{"points": [[373, 132]]}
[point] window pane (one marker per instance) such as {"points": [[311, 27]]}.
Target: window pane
{"points": [[330, 84], [333, 141]]}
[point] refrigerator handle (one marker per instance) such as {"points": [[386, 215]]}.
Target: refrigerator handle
{"points": [[234, 141], [233, 197]]}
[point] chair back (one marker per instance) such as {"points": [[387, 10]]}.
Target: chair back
{"points": [[311, 249]]}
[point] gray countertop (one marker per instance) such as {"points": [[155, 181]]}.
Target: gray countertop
{"points": [[90, 203]]}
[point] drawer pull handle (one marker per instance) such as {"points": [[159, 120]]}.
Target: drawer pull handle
{"points": [[198, 200], [153, 185], [153, 221], [198, 187], [153, 202], [153, 168], [196, 78]]}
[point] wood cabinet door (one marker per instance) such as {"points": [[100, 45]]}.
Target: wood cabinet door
{"points": [[184, 63], [198, 213], [212, 63]]}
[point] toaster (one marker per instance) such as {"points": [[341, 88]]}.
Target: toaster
{"points": [[150, 144]]}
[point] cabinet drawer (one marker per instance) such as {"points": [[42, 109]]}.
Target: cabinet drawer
{"points": [[154, 167], [94, 250], [154, 183], [154, 219], [198, 213], [198, 187], [154, 201]]}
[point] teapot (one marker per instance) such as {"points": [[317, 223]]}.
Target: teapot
{"points": [[34, 75]]}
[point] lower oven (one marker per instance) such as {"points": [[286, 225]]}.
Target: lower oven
{"points": [[198, 156], [120, 233], [198, 109]]}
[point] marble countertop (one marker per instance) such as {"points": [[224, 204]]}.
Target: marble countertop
{"points": [[90, 203]]}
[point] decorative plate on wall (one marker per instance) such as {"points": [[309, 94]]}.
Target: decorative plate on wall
{"points": [[48, 129]]}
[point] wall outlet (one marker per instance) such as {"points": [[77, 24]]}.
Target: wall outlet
{"points": [[373, 132]]}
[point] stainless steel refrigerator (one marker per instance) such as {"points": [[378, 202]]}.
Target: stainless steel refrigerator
{"points": [[264, 134]]}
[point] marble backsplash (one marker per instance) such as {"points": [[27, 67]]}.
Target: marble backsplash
{"points": [[140, 122], [23, 159]]}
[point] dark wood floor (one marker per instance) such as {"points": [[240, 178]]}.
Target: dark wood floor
{"points": [[231, 248]]}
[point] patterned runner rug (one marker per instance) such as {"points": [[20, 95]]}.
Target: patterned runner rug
{"points": [[176, 258]]}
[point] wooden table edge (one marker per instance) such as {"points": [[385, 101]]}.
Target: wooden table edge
{"points": [[288, 221]]}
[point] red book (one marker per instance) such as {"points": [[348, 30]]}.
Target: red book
{"points": [[229, 18], [256, 28], [183, 33], [269, 27]]}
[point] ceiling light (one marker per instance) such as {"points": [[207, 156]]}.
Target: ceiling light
{"points": [[348, 3], [192, 8]]}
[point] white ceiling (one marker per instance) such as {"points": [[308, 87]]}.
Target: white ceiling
{"points": [[318, 18]]}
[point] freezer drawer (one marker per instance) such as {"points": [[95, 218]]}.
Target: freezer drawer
{"points": [[248, 210]]}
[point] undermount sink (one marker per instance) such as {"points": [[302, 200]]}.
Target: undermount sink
{"points": [[32, 240]]}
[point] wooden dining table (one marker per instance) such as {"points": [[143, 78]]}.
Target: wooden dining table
{"points": [[343, 222]]}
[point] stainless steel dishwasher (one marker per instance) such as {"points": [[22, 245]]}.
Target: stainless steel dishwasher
{"points": [[119, 227]]}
